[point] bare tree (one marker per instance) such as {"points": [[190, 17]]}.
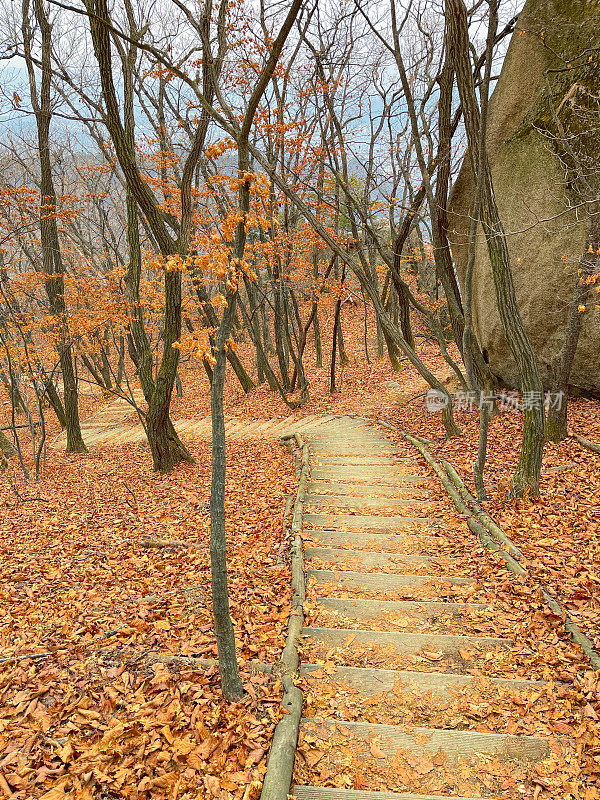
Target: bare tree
{"points": [[527, 474], [172, 236], [52, 262]]}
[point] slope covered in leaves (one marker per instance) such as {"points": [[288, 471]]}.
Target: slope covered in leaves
{"points": [[118, 706]]}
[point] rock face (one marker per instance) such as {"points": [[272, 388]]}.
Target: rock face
{"points": [[544, 98]]}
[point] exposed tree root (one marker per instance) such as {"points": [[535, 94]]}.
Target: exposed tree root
{"points": [[595, 448]]}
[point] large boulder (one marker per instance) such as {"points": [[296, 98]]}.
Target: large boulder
{"points": [[545, 99]]}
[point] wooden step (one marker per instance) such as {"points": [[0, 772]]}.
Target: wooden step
{"points": [[262, 426], [446, 644], [356, 560], [280, 426], [382, 542], [357, 460], [366, 522], [370, 681], [407, 610], [359, 446], [383, 581], [377, 475], [243, 430], [362, 503], [321, 487], [419, 741], [325, 793], [312, 423]]}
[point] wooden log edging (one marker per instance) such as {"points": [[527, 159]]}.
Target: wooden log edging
{"points": [[494, 539], [280, 766], [595, 448]]}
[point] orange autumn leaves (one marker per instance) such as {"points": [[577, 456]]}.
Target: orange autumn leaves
{"points": [[105, 715]]}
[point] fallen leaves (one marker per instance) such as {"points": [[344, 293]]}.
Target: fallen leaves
{"points": [[101, 716], [375, 749]]}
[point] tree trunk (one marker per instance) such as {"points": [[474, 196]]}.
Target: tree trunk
{"points": [[556, 424], [479, 466], [527, 474], [121, 364], [106, 369], [382, 336], [404, 313], [340, 340], [253, 328], [228, 668], [230, 679], [278, 325], [316, 323], [6, 451], [334, 346], [55, 401], [165, 445], [318, 345], [443, 260], [11, 384], [52, 263], [395, 335], [212, 319], [91, 368]]}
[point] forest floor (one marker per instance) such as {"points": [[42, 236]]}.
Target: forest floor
{"points": [[97, 697]]}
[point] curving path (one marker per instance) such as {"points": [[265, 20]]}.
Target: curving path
{"points": [[111, 425]]}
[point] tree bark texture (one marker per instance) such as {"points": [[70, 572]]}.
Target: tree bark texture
{"points": [[52, 262]]}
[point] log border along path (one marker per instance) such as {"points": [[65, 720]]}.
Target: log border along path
{"points": [[360, 493]]}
